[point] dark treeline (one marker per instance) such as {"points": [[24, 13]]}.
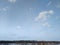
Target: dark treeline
{"points": [[23, 41]]}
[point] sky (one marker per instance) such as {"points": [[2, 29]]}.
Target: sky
{"points": [[30, 20]]}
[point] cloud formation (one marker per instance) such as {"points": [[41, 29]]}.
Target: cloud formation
{"points": [[12, 1], [43, 17]]}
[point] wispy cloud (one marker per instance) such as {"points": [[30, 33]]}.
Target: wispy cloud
{"points": [[4, 8], [12, 1], [46, 24], [43, 17], [49, 3]]}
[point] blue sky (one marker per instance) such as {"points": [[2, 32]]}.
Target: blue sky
{"points": [[30, 20]]}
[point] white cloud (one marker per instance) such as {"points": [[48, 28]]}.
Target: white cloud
{"points": [[12, 1], [50, 11], [49, 3], [43, 16], [46, 24]]}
